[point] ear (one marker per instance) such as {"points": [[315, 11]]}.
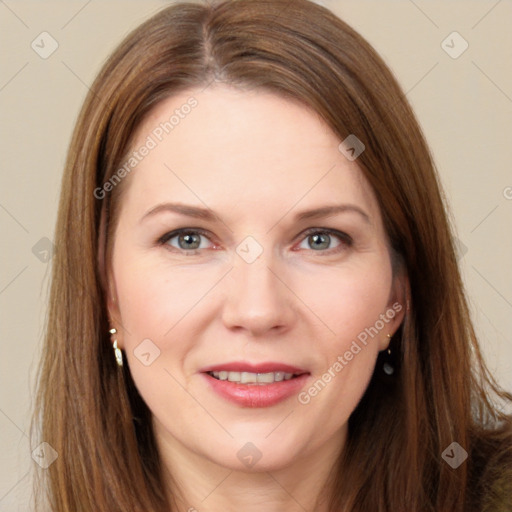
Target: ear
{"points": [[114, 313], [397, 306], [108, 282]]}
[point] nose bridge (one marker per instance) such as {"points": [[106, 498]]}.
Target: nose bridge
{"points": [[257, 299], [256, 278]]}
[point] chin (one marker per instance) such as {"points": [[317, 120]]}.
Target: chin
{"points": [[255, 454]]}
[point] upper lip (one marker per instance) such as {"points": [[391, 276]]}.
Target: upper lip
{"points": [[242, 366]]}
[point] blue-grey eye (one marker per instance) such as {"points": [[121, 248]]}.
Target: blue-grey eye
{"points": [[321, 240], [187, 240], [190, 241]]}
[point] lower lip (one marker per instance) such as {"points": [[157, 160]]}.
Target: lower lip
{"points": [[257, 395]]}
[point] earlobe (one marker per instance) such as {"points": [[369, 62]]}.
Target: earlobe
{"points": [[114, 314], [398, 305], [112, 307]]}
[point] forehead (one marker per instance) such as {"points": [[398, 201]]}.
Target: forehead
{"points": [[241, 151]]}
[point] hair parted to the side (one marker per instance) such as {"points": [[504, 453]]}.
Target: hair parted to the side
{"points": [[92, 414]]}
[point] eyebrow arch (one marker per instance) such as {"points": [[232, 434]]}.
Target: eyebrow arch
{"points": [[182, 209], [209, 215], [329, 211]]}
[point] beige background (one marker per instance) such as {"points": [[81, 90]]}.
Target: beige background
{"points": [[464, 106]]}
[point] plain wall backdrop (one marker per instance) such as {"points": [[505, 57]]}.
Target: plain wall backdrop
{"points": [[51, 52]]}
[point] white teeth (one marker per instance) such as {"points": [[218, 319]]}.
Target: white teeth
{"points": [[252, 378], [234, 376], [246, 377], [279, 376], [267, 378]]}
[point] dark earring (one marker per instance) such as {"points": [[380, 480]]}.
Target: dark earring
{"points": [[388, 367]]}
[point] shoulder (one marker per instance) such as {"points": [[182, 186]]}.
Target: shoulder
{"points": [[490, 473]]}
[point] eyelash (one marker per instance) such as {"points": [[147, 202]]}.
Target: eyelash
{"points": [[346, 240]]}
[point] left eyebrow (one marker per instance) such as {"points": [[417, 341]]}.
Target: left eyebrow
{"points": [[182, 209]]}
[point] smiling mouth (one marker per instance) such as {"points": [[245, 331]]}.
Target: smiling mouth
{"points": [[253, 378]]}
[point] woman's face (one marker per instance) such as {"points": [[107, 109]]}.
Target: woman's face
{"points": [[255, 284]]}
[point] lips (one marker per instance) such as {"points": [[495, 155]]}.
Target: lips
{"points": [[247, 393]]}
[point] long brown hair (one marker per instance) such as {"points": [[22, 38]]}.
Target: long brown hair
{"points": [[441, 391]]}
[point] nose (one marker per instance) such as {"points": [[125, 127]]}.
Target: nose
{"points": [[258, 301]]}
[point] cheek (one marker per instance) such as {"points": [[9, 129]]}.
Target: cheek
{"points": [[350, 300], [154, 298]]}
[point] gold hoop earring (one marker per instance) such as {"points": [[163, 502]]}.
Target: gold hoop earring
{"points": [[117, 351]]}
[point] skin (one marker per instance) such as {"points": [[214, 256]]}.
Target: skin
{"points": [[256, 160]]}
